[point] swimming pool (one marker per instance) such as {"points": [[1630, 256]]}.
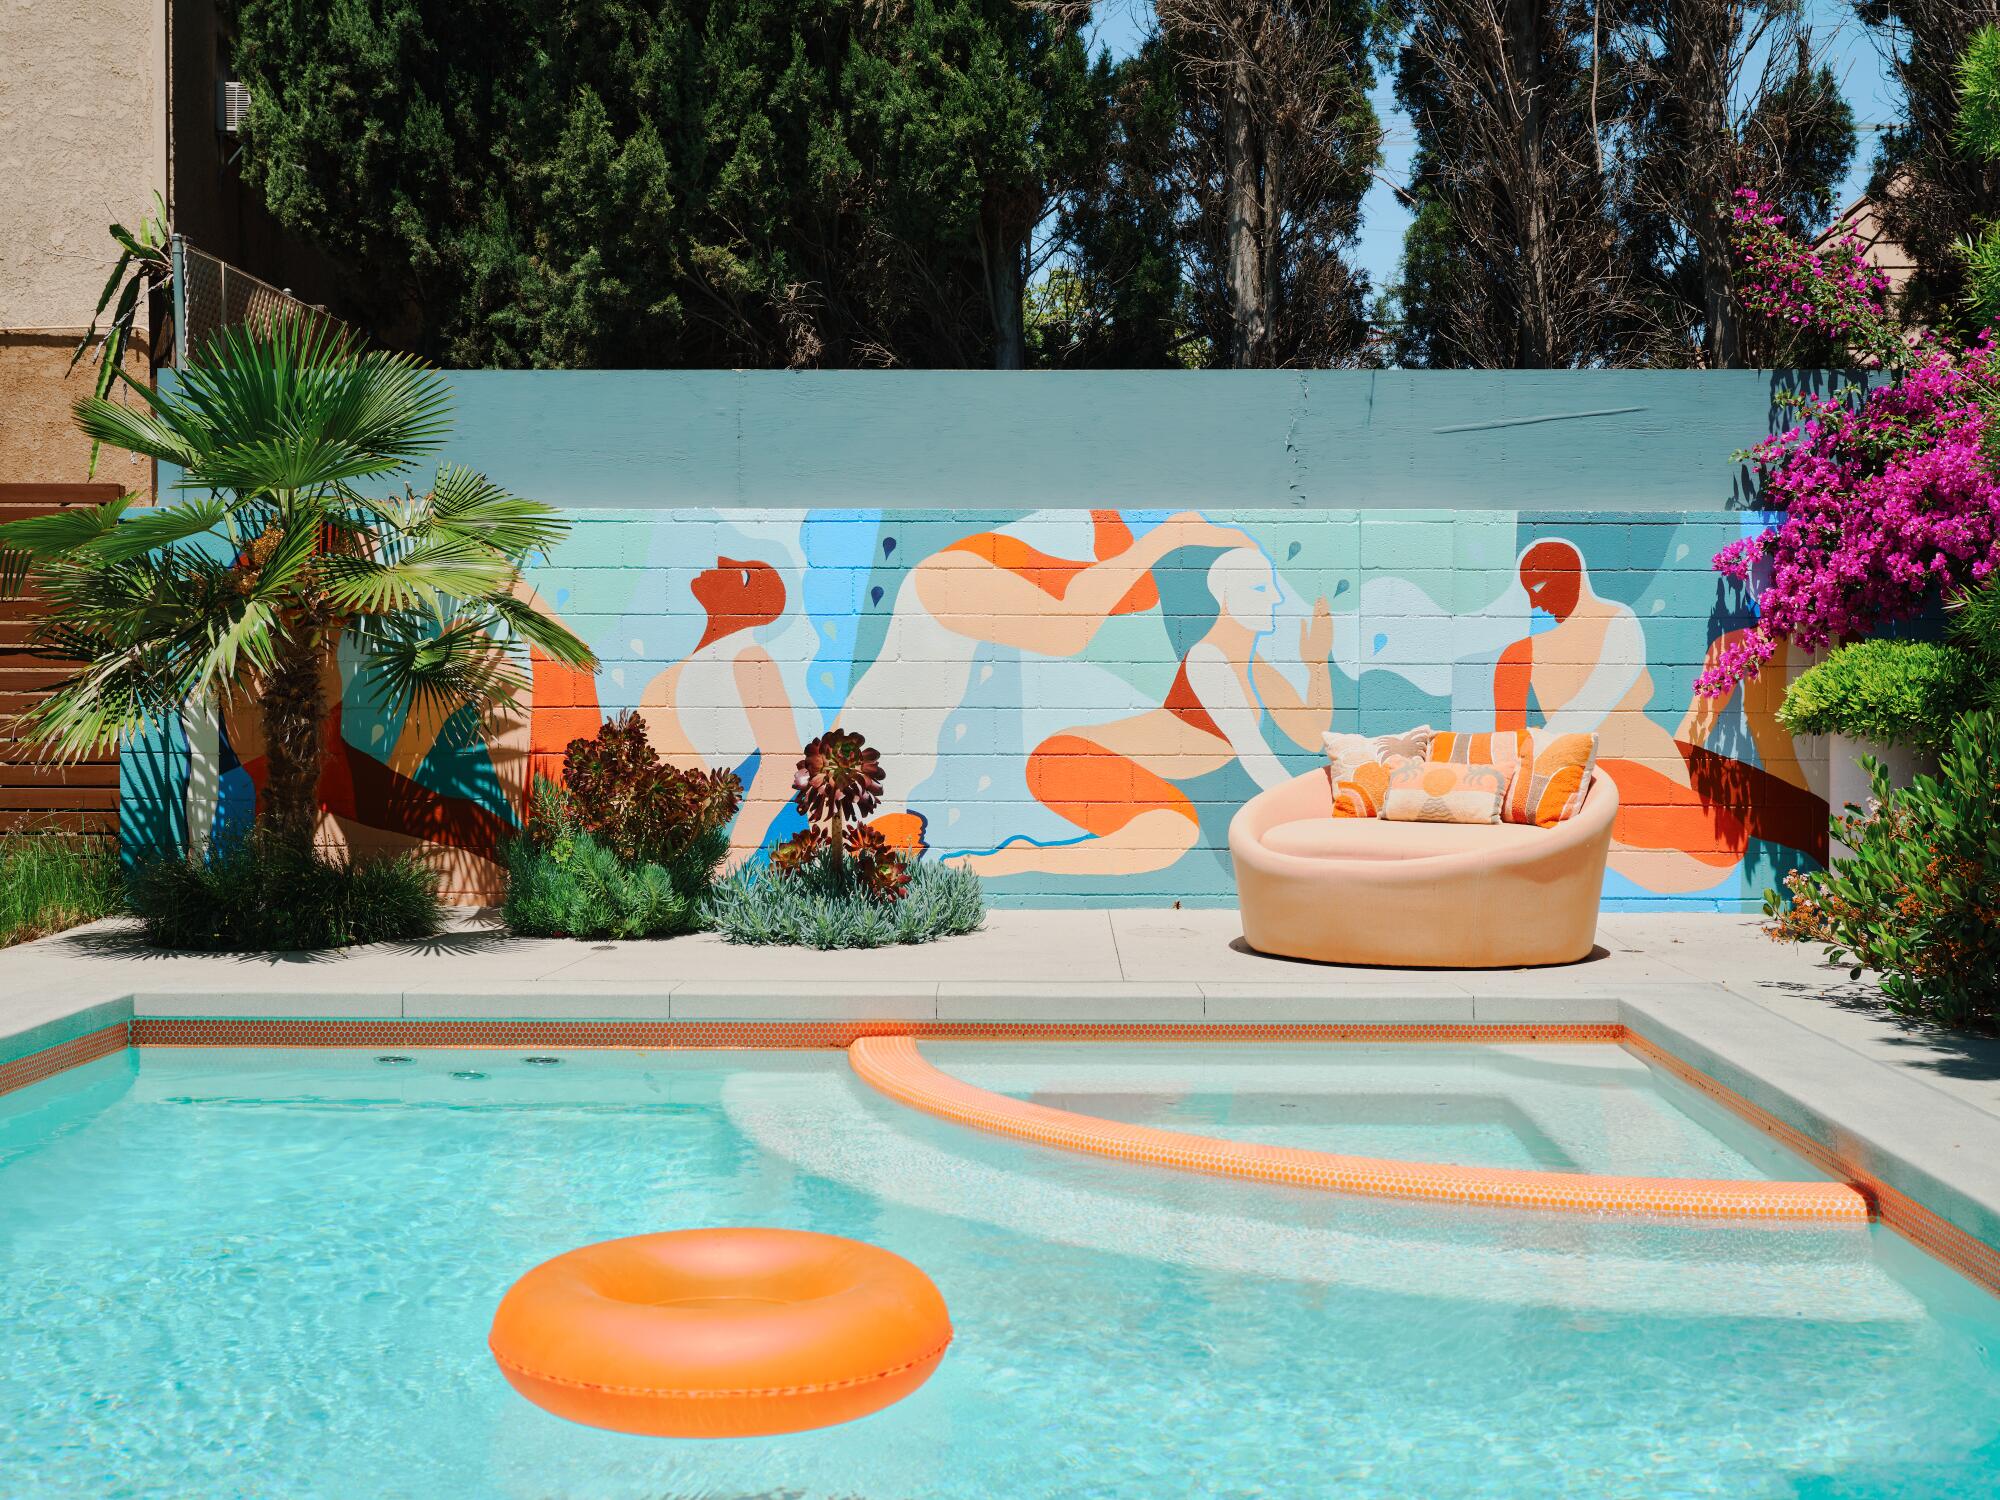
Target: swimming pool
{"points": [[271, 1273]]}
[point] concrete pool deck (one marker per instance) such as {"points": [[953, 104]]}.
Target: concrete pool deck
{"points": [[1914, 1114]]}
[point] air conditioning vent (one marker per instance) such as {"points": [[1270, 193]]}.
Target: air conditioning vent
{"points": [[232, 106]]}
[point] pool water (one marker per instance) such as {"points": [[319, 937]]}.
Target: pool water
{"points": [[271, 1274], [1554, 1107]]}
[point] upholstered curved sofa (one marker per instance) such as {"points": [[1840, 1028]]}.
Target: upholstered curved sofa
{"points": [[1417, 895]]}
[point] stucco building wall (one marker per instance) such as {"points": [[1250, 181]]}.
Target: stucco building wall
{"points": [[83, 144]]}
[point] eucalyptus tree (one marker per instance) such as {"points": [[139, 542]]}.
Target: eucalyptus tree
{"points": [[1936, 189], [300, 532], [1514, 257], [1717, 95]]}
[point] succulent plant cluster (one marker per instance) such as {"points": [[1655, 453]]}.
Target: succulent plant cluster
{"points": [[838, 783], [643, 809]]}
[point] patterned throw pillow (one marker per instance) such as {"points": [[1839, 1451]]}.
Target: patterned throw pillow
{"points": [[1434, 791], [1549, 786], [1358, 767], [1504, 749]]}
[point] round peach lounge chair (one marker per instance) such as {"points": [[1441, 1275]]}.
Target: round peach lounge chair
{"points": [[1417, 895]]}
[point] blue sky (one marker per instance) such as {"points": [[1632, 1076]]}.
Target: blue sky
{"points": [[1850, 49]]}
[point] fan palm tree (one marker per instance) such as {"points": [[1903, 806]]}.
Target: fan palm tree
{"points": [[301, 530]]}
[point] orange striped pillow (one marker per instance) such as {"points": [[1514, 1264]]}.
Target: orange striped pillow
{"points": [[1552, 780]]}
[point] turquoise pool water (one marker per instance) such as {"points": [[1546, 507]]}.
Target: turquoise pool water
{"points": [[271, 1274], [1556, 1108]]}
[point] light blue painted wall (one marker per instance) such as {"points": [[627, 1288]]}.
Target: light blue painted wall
{"points": [[1464, 440]]}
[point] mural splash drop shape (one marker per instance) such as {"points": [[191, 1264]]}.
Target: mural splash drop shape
{"points": [[875, 594], [1292, 551], [888, 546]]}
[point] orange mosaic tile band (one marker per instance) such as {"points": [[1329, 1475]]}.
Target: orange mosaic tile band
{"points": [[893, 1065], [236, 1031], [1936, 1236], [78, 1050]]}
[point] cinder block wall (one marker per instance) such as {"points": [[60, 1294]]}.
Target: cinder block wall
{"points": [[1074, 696]]}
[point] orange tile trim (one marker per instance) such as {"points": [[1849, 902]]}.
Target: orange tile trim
{"points": [[893, 1065], [237, 1031], [78, 1050], [1971, 1257]]}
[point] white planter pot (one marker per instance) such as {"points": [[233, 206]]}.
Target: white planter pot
{"points": [[1847, 782]]}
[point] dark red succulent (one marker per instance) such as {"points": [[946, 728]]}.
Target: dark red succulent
{"points": [[838, 781], [642, 808], [837, 784], [878, 869], [803, 848]]}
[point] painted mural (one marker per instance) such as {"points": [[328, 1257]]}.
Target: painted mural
{"points": [[1074, 702]]}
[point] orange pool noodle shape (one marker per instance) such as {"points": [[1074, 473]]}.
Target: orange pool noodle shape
{"points": [[720, 1332]]}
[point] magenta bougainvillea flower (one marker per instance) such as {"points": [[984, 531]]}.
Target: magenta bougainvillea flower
{"points": [[1832, 290], [1889, 503]]}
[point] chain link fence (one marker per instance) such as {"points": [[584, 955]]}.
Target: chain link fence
{"points": [[210, 294]]}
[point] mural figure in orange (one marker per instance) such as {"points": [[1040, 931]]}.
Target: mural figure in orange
{"points": [[996, 589], [1686, 814], [726, 702], [1120, 782]]}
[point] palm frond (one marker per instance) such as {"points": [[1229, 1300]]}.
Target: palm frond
{"points": [[153, 529], [297, 405], [466, 502], [546, 633], [34, 539], [154, 433], [439, 662], [442, 567]]}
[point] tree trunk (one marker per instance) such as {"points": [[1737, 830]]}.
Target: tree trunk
{"points": [[1271, 250], [1720, 343], [1249, 317], [1000, 257], [1535, 280], [1704, 39], [294, 708]]}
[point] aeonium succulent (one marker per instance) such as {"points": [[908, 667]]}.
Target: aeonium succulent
{"points": [[838, 780]]}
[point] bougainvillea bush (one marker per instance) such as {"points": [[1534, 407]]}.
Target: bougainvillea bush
{"points": [[1889, 497], [1832, 292]]}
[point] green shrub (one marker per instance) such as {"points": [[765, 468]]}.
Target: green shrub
{"points": [[1894, 692], [1919, 898], [1974, 619], [254, 895], [618, 790], [627, 848], [49, 881], [822, 904], [562, 881]]}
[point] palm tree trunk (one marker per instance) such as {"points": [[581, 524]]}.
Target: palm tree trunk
{"points": [[294, 707]]}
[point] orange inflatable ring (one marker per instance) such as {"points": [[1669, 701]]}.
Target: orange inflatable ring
{"points": [[720, 1332]]}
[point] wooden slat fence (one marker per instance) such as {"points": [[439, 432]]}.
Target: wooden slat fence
{"points": [[34, 796]]}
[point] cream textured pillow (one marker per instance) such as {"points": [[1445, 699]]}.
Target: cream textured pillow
{"points": [[1436, 791], [1358, 767]]}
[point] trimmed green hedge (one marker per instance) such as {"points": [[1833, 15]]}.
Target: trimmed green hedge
{"points": [[1893, 692]]}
